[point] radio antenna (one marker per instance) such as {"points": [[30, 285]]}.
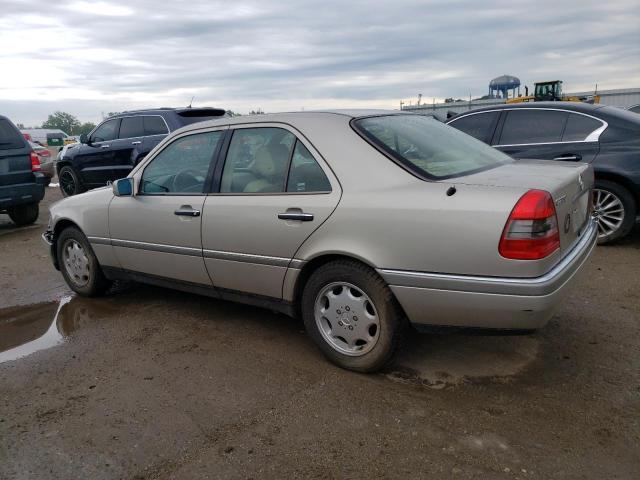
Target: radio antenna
{"points": [[191, 102]]}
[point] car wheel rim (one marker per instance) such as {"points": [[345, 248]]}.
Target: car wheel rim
{"points": [[347, 318], [67, 183], [76, 263], [609, 212]]}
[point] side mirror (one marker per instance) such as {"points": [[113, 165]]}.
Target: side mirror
{"points": [[123, 187], [84, 138]]}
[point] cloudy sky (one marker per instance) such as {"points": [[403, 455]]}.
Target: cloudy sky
{"points": [[89, 57]]}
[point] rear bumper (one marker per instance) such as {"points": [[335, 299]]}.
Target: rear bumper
{"points": [[21, 193], [489, 302]]}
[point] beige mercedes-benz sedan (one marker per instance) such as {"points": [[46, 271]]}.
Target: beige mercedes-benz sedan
{"points": [[360, 222]]}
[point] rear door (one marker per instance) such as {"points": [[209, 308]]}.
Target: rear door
{"points": [[126, 148], [95, 160], [273, 190], [158, 231], [547, 134]]}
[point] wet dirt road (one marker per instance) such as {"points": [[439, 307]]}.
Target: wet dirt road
{"points": [[151, 383]]}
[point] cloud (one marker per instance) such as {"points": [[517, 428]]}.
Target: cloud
{"points": [[283, 55]]}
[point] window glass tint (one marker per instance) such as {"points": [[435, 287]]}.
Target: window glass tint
{"points": [[107, 131], [257, 160], [305, 175], [479, 126], [579, 127], [9, 136], [428, 147], [154, 125], [182, 166], [131, 127], [532, 126]]}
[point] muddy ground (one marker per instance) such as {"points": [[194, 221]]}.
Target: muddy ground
{"points": [[151, 383]]}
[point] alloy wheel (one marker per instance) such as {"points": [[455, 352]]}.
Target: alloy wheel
{"points": [[67, 183], [608, 211], [76, 263], [347, 318]]}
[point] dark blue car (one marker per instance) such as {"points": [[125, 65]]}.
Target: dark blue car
{"points": [[116, 145]]}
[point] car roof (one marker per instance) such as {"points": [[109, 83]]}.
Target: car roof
{"points": [[285, 117], [572, 106]]}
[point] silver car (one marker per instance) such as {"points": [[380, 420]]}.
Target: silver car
{"points": [[360, 222]]}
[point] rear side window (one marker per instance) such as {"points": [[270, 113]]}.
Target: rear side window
{"points": [[428, 148], [479, 125], [579, 127], [257, 161], [533, 126], [10, 137], [131, 127], [305, 175], [154, 125]]}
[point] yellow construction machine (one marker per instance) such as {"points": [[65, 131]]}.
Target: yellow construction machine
{"points": [[552, 92]]}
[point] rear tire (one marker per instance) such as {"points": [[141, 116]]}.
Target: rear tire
{"points": [[69, 182], [79, 265], [24, 214], [352, 316], [614, 209]]}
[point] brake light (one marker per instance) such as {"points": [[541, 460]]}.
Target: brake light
{"points": [[35, 162], [531, 232]]}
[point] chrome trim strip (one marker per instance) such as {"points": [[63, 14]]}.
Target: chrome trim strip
{"points": [[247, 258], [215, 254], [99, 240], [506, 285], [592, 137], [155, 247]]}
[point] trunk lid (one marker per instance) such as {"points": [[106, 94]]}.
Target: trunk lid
{"points": [[569, 184]]}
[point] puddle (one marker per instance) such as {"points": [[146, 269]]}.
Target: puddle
{"points": [[437, 361], [28, 329]]}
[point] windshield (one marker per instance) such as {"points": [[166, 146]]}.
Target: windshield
{"points": [[427, 147]]}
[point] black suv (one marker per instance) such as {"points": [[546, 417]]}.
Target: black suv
{"points": [[606, 137], [21, 182], [118, 144]]}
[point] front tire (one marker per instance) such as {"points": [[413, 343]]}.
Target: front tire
{"points": [[69, 182], [24, 214], [352, 316], [79, 265], [614, 209]]}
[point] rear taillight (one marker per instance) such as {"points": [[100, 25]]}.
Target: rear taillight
{"points": [[35, 162], [531, 232]]}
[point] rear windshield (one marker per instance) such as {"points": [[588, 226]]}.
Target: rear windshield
{"points": [[427, 147], [9, 136]]}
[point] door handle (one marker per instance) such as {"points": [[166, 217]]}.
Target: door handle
{"points": [[570, 157], [138, 142], [187, 211], [105, 146], [303, 217]]}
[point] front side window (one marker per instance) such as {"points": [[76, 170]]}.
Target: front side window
{"points": [[479, 125], [131, 127], [257, 160], [182, 166], [428, 148], [533, 126], [107, 131]]}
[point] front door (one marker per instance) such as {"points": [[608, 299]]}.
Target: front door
{"points": [[273, 193], [95, 159], [157, 231]]}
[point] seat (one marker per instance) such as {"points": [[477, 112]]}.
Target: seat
{"points": [[269, 168]]}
